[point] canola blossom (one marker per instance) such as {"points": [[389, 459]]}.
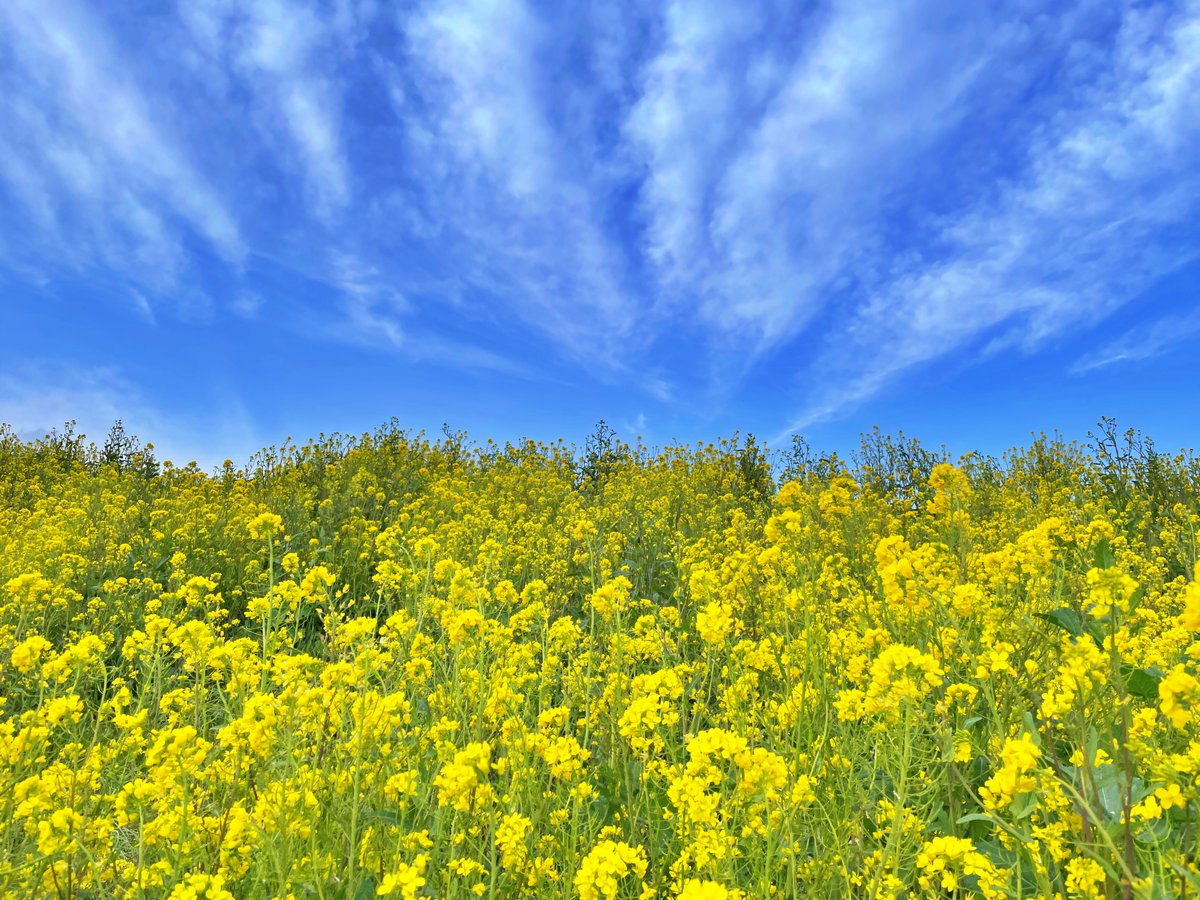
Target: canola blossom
{"points": [[401, 668]]}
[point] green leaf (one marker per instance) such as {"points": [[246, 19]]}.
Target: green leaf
{"points": [[1136, 598], [1153, 832], [1102, 554], [1065, 618], [1139, 790], [973, 817], [391, 816], [1091, 744], [997, 853], [1031, 726], [1025, 806], [1109, 794], [1144, 682]]}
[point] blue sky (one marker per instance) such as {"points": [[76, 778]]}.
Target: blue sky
{"points": [[230, 221]]}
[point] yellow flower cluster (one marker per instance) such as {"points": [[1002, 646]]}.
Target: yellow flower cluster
{"points": [[945, 861], [897, 678], [404, 881], [604, 867], [385, 666], [1018, 758]]}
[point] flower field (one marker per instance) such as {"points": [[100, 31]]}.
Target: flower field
{"points": [[390, 666]]}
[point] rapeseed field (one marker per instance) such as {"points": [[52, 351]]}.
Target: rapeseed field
{"points": [[392, 666]]}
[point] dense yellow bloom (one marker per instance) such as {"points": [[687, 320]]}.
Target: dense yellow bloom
{"points": [[899, 675], [201, 887], [697, 889], [29, 652], [405, 880], [59, 831], [460, 784], [943, 861], [253, 731], [84, 656], [1190, 617], [1086, 878], [565, 756], [605, 866], [431, 670], [510, 840], [802, 790], [1109, 589], [612, 597], [838, 498], [714, 623], [1083, 667], [240, 841], [763, 772], [1018, 758], [952, 490], [1178, 692], [69, 708], [651, 707], [264, 525], [459, 624]]}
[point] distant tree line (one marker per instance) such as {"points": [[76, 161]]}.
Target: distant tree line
{"points": [[66, 449], [1121, 464]]}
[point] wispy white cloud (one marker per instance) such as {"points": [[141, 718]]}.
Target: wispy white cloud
{"points": [[105, 181], [689, 115], [1098, 214], [143, 306], [1142, 342], [636, 427], [668, 195], [376, 314], [286, 53], [765, 190], [802, 205], [247, 304], [373, 307], [515, 183], [36, 398], [33, 401]]}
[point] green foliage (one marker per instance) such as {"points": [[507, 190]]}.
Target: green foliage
{"points": [[896, 466], [602, 453]]}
